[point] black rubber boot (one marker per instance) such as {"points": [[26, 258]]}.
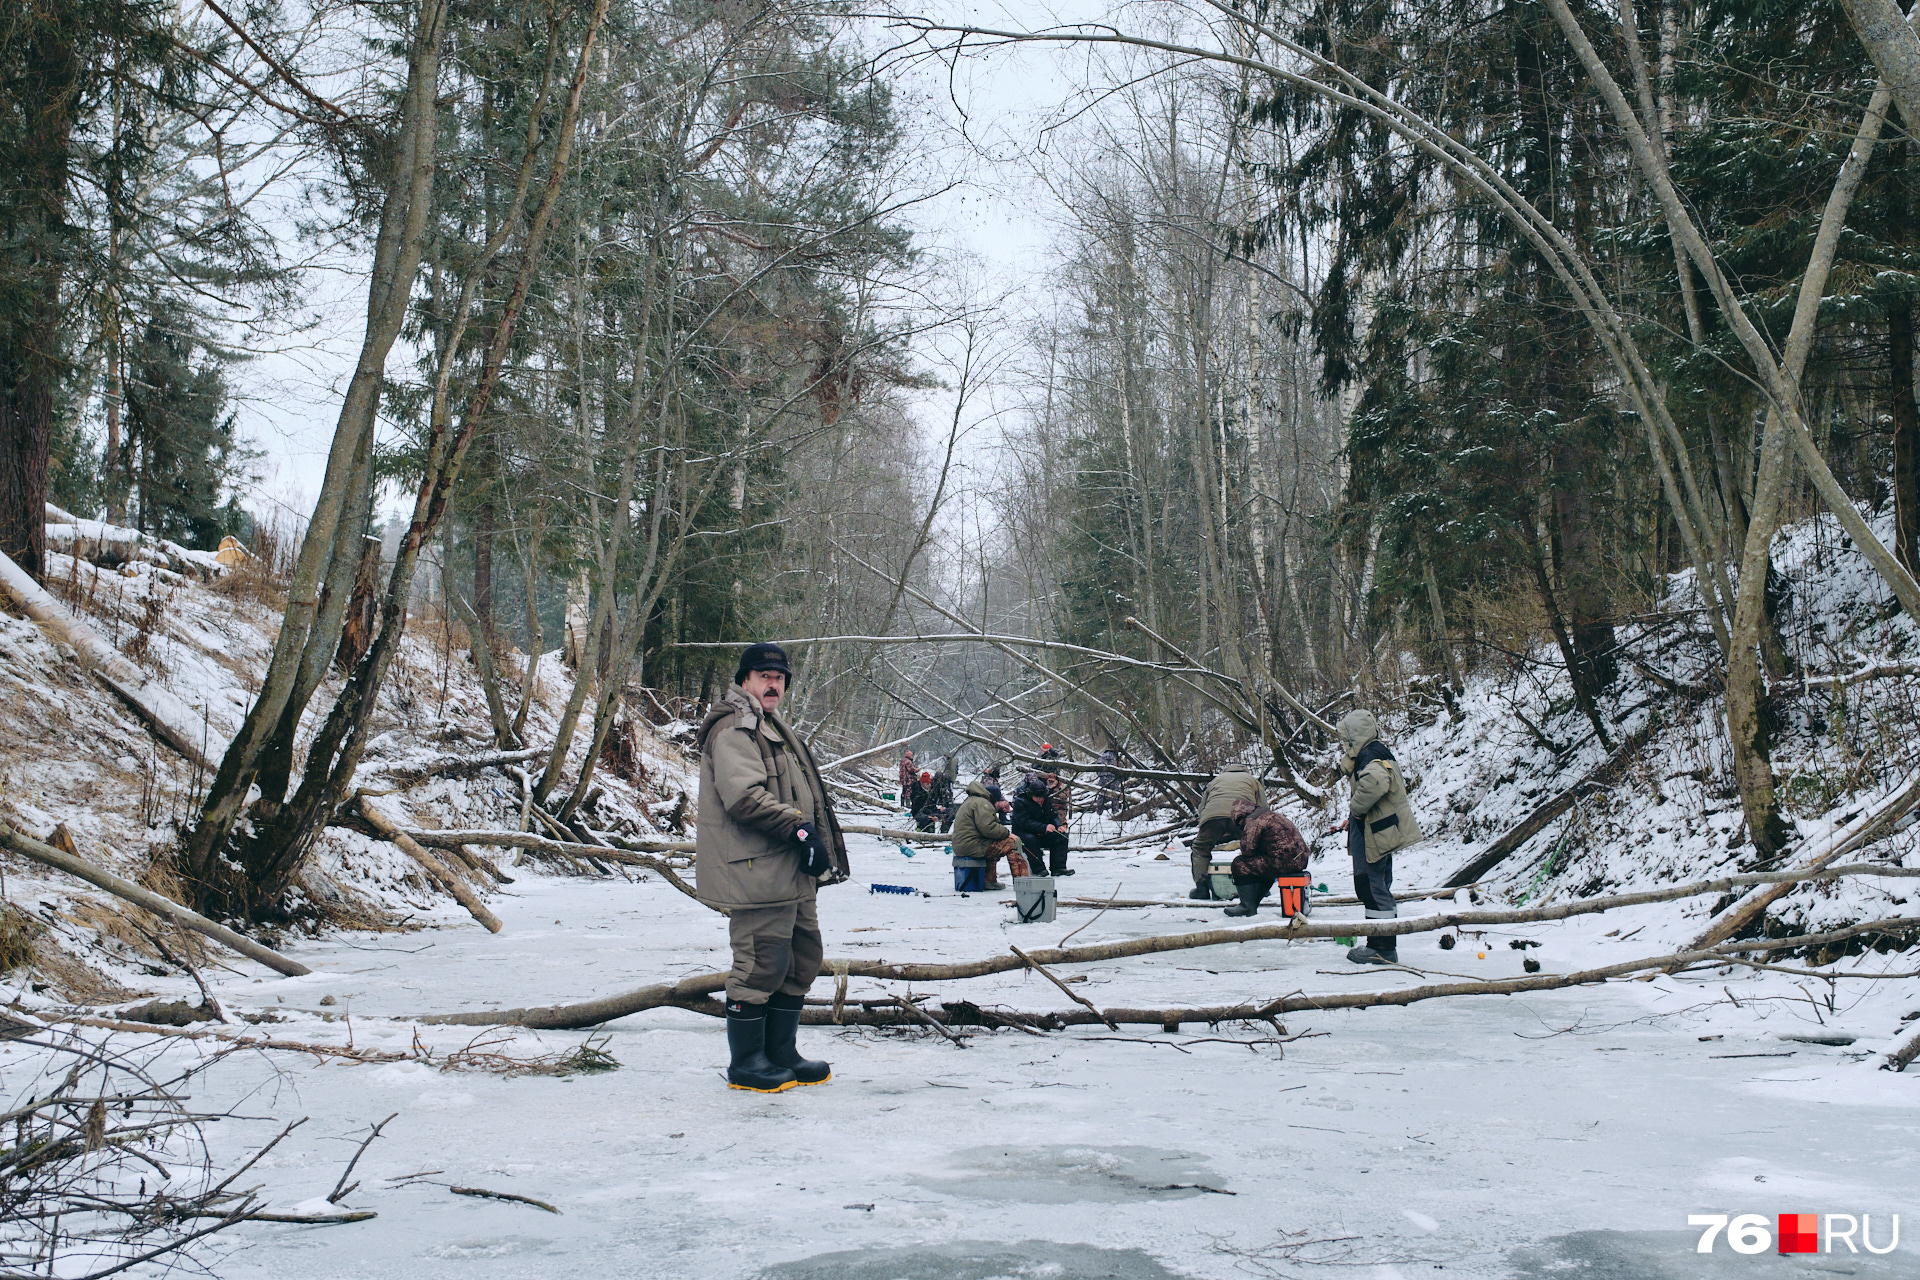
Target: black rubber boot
{"points": [[783, 1024], [747, 1041], [1388, 948], [1202, 893], [1251, 894]]}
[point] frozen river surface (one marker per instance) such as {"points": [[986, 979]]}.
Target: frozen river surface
{"points": [[1563, 1134]]}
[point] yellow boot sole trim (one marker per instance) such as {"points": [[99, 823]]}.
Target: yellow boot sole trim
{"points": [[779, 1088], [822, 1080]]}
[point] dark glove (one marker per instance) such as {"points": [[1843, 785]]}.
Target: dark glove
{"points": [[815, 858]]}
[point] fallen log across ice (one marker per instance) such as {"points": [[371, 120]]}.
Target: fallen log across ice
{"points": [[45, 854], [171, 720], [693, 992], [1319, 900]]}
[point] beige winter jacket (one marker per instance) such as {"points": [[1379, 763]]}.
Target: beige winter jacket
{"points": [[1379, 800], [758, 785]]}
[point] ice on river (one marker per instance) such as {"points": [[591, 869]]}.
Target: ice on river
{"points": [[1567, 1133]]}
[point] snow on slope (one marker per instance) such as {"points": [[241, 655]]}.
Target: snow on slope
{"points": [[72, 753]]}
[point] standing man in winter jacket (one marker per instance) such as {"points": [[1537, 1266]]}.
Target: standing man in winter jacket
{"points": [[768, 838], [1379, 820], [1216, 821], [907, 775], [943, 780], [1107, 781], [980, 831]]}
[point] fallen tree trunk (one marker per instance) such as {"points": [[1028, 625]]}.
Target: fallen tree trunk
{"points": [[322, 1051], [873, 801], [566, 849], [1476, 867], [891, 833], [170, 719], [445, 877], [884, 748], [527, 840], [593, 1012], [1344, 900], [1129, 771], [1902, 1055], [1128, 842], [27, 847], [695, 994], [1853, 836], [457, 766]]}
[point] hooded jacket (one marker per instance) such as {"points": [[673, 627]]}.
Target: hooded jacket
{"points": [[1379, 801], [758, 785], [977, 826]]}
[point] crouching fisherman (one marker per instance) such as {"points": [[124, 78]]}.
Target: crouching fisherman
{"points": [[1271, 848], [768, 839], [1216, 821], [1379, 820]]}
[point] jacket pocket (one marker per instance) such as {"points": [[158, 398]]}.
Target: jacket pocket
{"points": [[1391, 820], [747, 850]]}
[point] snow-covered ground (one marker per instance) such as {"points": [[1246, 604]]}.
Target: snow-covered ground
{"points": [[1568, 1133]]}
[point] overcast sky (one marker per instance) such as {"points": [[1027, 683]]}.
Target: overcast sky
{"points": [[976, 127]]}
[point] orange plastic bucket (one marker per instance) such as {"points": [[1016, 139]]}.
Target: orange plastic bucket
{"points": [[1292, 892]]}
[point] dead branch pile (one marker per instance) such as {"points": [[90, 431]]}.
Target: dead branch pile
{"points": [[106, 1168]]}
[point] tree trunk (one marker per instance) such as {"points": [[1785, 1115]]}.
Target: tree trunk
{"points": [[1582, 696], [396, 261], [1906, 435], [530, 677], [1888, 37], [272, 858], [36, 209], [483, 539], [363, 609], [1582, 587]]}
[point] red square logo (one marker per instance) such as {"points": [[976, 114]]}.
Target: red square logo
{"points": [[1799, 1233]]}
